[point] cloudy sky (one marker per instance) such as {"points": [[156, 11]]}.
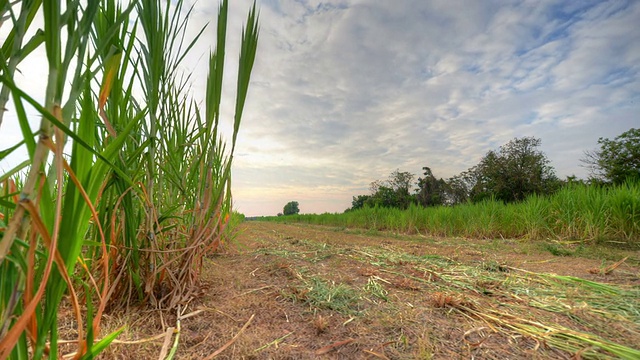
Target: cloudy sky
{"points": [[346, 91]]}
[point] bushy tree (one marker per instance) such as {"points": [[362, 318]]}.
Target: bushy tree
{"points": [[617, 160], [291, 208], [393, 192], [517, 170], [400, 181], [384, 196], [431, 191], [458, 190], [359, 201]]}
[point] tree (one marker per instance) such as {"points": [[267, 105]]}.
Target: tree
{"points": [[431, 191], [617, 160], [393, 192], [359, 201], [384, 196], [291, 208], [458, 190], [516, 170], [400, 181]]}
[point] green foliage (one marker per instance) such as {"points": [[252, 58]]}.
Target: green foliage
{"points": [[127, 212], [517, 170], [557, 250], [291, 208], [395, 192], [376, 289], [359, 202], [431, 191], [322, 294], [385, 196], [617, 160], [459, 187], [576, 212], [514, 172]]}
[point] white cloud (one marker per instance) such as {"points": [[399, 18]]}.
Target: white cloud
{"points": [[344, 92], [373, 86]]}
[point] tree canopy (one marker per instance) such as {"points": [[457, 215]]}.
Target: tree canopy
{"points": [[617, 160], [291, 208], [431, 191], [393, 192], [517, 170]]}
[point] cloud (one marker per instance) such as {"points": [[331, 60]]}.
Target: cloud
{"points": [[346, 91], [361, 88]]}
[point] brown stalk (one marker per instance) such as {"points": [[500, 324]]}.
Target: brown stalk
{"points": [[609, 269], [168, 334], [61, 163], [329, 348], [31, 255], [16, 224], [230, 342], [12, 336], [39, 158], [63, 272], [378, 355]]}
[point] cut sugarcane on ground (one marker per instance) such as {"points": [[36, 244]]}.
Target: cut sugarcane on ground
{"points": [[310, 292]]}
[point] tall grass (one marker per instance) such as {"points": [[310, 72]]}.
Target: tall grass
{"points": [[144, 194], [576, 212]]}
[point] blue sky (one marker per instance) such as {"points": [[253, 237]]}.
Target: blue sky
{"points": [[345, 92]]}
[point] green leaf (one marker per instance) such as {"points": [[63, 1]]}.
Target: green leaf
{"points": [[16, 169], [98, 347], [6, 152]]}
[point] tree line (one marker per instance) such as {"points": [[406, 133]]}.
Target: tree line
{"points": [[515, 171]]}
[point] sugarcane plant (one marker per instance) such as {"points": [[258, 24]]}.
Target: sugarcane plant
{"points": [[84, 223]]}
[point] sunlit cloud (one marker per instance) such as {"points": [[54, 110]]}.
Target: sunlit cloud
{"points": [[344, 92]]}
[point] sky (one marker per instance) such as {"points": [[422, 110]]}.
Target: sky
{"points": [[344, 92]]}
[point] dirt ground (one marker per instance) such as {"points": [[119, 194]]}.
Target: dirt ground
{"points": [[307, 292]]}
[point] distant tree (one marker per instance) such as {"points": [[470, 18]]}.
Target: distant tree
{"points": [[458, 190], [400, 181], [359, 201], [384, 196], [291, 208], [393, 192], [431, 191], [573, 180], [617, 160], [516, 170]]}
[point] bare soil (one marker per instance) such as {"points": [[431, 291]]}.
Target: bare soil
{"points": [[306, 292]]}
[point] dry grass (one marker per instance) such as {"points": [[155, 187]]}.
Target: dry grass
{"points": [[442, 302]]}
